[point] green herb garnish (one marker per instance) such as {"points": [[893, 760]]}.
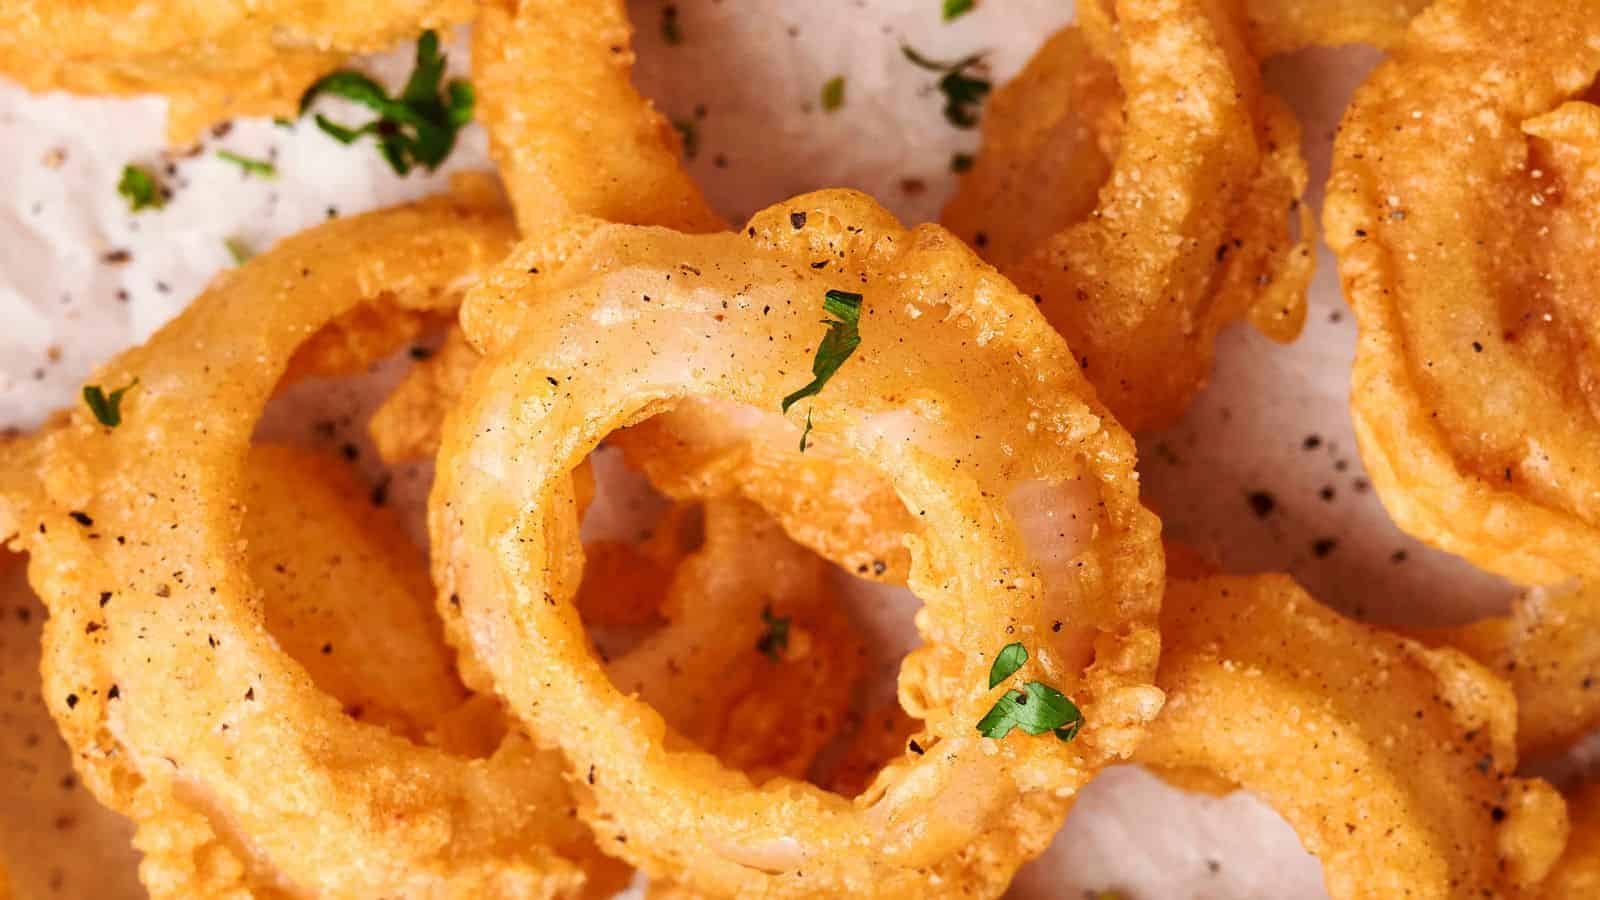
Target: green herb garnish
{"points": [[106, 408], [250, 166], [842, 339], [1007, 662], [140, 189], [417, 128], [833, 93], [960, 162], [805, 436], [963, 94], [690, 135], [775, 639], [1036, 709], [955, 9], [238, 249], [671, 33]]}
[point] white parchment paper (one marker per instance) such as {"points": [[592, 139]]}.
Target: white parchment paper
{"points": [[1273, 424]]}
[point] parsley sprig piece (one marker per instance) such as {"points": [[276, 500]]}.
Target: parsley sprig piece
{"points": [[1007, 662], [417, 128], [955, 9], [107, 408], [775, 640], [140, 189], [963, 93], [1036, 709], [250, 166], [842, 339], [833, 93], [238, 249]]}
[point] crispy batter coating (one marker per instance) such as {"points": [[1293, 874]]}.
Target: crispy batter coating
{"points": [[884, 734], [706, 448], [1138, 182], [1549, 650], [568, 130], [1464, 207], [1027, 512], [345, 591], [1283, 26], [406, 427], [212, 60], [762, 704], [1577, 875], [1393, 762]]}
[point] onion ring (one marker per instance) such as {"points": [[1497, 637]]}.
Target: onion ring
{"points": [[213, 61], [1464, 209], [1156, 227], [1394, 763], [182, 710], [1029, 521]]}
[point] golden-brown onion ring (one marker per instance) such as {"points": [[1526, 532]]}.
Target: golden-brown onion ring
{"points": [[1142, 235], [960, 394], [1467, 249], [181, 700], [1549, 650], [213, 61], [1393, 762]]}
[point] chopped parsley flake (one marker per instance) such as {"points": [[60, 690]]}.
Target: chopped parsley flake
{"points": [[418, 127], [960, 162], [955, 9], [1007, 662], [690, 135], [833, 93], [842, 339], [107, 409], [805, 436], [963, 93], [140, 189], [250, 166], [1036, 709], [775, 640], [238, 249]]}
